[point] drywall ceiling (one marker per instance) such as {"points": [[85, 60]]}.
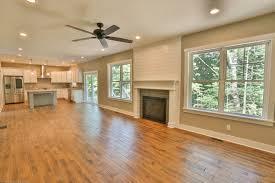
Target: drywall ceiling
{"points": [[49, 40]]}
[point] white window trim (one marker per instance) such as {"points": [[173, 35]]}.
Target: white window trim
{"points": [[109, 66], [268, 114]]}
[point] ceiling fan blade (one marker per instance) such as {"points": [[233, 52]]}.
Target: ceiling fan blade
{"points": [[111, 29], [103, 43], [82, 39], [82, 30], [119, 39]]}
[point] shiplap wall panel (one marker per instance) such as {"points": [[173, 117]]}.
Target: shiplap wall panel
{"points": [[160, 61]]}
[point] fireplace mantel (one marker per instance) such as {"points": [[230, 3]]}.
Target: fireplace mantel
{"points": [[158, 85], [174, 95]]}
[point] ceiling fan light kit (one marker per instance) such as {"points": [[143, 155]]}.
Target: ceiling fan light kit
{"points": [[101, 34]]}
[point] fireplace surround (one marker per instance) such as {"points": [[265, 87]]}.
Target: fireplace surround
{"points": [[172, 90]]}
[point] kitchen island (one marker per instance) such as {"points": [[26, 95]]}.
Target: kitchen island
{"points": [[42, 97]]}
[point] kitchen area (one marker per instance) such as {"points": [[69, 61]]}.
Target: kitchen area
{"points": [[39, 85]]}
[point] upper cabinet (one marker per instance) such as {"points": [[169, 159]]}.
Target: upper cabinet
{"points": [[56, 77], [69, 76], [66, 76], [12, 72], [77, 76], [30, 76]]}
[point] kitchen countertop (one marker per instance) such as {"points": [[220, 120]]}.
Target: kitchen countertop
{"points": [[41, 91], [76, 88]]}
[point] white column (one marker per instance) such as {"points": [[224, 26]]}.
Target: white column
{"points": [[136, 100], [174, 106]]}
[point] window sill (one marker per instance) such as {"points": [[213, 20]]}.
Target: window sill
{"points": [[233, 117], [121, 100]]}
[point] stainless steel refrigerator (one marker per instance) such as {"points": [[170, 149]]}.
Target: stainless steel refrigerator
{"points": [[14, 89]]}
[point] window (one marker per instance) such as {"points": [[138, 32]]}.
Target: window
{"points": [[229, 79], [120, 80], [205, 83]]}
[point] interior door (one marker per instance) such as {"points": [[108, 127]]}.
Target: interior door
{"points": [[91, 87]]}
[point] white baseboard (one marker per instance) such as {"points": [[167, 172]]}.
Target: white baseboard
{"points": [[171, 125], [229, 138], [128, 113]]}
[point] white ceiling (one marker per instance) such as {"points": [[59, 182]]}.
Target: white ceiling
{"points": [[49, 40]]}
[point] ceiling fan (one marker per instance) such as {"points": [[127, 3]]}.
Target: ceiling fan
{"points": [[101, 34]]}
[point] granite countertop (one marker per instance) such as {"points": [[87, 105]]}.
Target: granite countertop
{"points": [[76, 88], [41, 90]]}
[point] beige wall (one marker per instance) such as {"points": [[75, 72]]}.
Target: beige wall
{"points": [[1, 89], [100, 65], [249, 28]]}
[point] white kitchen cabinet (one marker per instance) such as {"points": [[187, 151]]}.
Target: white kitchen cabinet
{"points": [[58, 93], [61, 77], [80, 77], [30, 76], [77, 76], [65, 94], [56, 77], [12, 72], [69, 76], [62, 93], [77, 96]]}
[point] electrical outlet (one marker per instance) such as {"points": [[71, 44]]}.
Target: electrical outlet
{"points": [[228, 127]]}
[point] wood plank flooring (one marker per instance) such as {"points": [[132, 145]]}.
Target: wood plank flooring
{"points": [[83, 143]]}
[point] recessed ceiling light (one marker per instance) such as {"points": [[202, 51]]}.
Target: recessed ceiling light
{"points": [[23, 34], [31, 1], [102, 49], [214, 11], [19, 55], [82, 57], [12, 60], [138, 37], [20, 49]]}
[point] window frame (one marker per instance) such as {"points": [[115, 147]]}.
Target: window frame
{"points": [[202, 81], [267, 114], [110, 80]]}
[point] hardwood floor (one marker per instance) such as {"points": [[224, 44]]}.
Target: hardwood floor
{"points": [[83, 143]]}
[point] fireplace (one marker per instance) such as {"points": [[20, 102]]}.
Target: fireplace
{"points": [[154, 105], [169, 89]]}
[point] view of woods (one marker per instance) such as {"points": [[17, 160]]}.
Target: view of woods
{"points": [[121, 81], [92, 87], [243, 80]]}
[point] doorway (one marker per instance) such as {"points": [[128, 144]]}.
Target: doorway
{"points": [[91, 87]]}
